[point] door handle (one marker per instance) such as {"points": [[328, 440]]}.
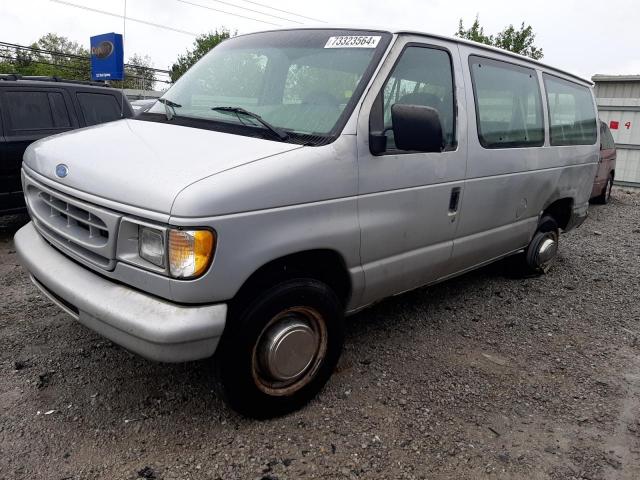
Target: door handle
{"points": [[454, 201]]}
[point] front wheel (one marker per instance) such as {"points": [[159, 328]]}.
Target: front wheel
{"points": [[278, 353]]}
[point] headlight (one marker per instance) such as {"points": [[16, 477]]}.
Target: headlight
{"points": [[190, 252], [151, 245]]}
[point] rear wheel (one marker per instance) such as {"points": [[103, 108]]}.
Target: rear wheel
{"points": [[605, 195], [278, 353], [542, 251]]}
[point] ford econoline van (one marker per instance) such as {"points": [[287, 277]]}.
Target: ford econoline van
{"points": [[291, 177]]}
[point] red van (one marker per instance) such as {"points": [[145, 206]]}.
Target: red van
{"points": [[603, 182]]}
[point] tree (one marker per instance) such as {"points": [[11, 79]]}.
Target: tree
{"points": [[59, 44], [201, 47], [518, 41], [53, 55], [63, 61], [475, 33], [137, 74]]}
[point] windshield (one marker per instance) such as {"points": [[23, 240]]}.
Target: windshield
{"points": [[304, 82]]}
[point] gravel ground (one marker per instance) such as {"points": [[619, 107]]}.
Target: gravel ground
{"points": [[484, 376]]}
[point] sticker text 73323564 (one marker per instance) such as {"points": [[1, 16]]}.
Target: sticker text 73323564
{"points": [[353, 41]]}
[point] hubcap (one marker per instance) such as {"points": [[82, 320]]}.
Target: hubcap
{"points": [[289, 351], [547, 251]]}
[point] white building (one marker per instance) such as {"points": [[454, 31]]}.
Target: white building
{"points": [[618, 98]]}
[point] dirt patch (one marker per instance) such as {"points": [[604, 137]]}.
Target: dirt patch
{"points": [[481, 377]]}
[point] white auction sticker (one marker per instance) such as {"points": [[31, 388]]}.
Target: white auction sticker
{"points": [[353, 41]]}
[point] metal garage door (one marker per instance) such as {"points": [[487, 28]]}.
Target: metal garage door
{"points": [[625, 128]]}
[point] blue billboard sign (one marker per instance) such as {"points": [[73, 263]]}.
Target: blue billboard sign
{"points": [[107, 57]]}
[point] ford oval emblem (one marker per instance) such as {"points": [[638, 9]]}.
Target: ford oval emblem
{"points": [[62, 170]]}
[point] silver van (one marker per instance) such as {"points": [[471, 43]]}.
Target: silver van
{"points": [[294, 176]]}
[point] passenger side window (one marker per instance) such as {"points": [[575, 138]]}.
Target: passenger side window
{"points": [[99, 108], [572, 116], [423, 76], [31, 110], [508, 104]]}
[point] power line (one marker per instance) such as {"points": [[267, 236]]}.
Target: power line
{"points": [[256, 11], [86, 59], [222, 11], [284, 11], [79, 69], [73, 55], [131, 19]]}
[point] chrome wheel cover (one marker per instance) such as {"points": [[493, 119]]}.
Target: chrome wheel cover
{"points": [[289, 351], [547, 251]]}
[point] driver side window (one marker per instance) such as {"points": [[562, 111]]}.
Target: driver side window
{"points": [[422, 76]]}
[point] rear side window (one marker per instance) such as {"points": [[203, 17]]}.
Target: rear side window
{"points": [[98, 108], [572, 116], [508, 104], [29, 110], [59, 111]]}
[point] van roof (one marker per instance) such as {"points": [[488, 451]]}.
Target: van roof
{"points": [[429, 35]]}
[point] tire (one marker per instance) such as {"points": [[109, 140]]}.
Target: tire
{"points": [[260, 363], [533, 261], [606, 193]]}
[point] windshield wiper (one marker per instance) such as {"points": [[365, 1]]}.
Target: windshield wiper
{"points": [[169, 104], [281, 134]]}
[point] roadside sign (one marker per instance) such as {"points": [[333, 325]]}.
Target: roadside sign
{"points": [[107, 57]]}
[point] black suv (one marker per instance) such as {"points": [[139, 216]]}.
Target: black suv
{"points": [[35, 107]]}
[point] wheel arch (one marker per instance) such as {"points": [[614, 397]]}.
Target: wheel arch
{"points": [[561, 210], [325, 265]]}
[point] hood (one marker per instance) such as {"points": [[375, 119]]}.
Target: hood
{"points": [[144, 164]]}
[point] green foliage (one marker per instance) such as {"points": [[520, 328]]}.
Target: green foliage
{"points": [[59, 58], [137, 74], [60, 44], [26, 62], [475, 33], [519, 41], [201, 47], [515, 40]]}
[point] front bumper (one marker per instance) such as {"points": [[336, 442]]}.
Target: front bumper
{"points": [[151, 327]]}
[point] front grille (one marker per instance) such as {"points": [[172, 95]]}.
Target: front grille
{"points": [[72, 218], [81, 229]]}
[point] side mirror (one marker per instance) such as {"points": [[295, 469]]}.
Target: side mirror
{"points": [[417, 128]]}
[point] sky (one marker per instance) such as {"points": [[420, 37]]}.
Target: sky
{"points": [[581, 36]]}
